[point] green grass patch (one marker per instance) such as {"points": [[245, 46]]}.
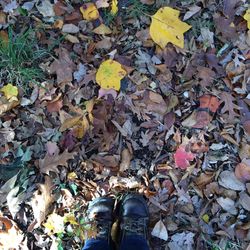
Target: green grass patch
{"points": [[20, 57]]}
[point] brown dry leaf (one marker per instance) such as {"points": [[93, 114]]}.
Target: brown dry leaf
{"points": [[82, 128], [155, 103], [242, 171], [2, 18], [102, 30], [70, 122], [204, 179], [126, 158], [55, 105], [229, 106], [50, 163], [147, 2], [41, 202], [6, 105], [63, 67], [226, 27], [11, 237], [245, 201], [205, 75]]}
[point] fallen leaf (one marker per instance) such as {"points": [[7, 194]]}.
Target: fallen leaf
{"points": [[46, 8], [166, 27], [11, 237], [125, 162], [70, 28], [205, 76], [210, 102], [182, 157], [69, 123], [54, 224], [41, 201], [58, 24], [247, 18], [192, 11], [160, 231], [228, 180], [181, 241], [229, 106], [114, 7], [109, 75], [227, 204], [55, 105], [81, 128], [63, 67], [10, 91], [245, 201], [52, 148], [50, 163], [80, 73], [6, 105], [10, 7], [89, 12], [102, 4], [102, 30], [105, 92], [242, 171], [148, 2]]}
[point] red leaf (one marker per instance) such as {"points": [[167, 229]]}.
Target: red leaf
{"points": [[182, 157]]}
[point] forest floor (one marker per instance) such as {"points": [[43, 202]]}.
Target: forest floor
{"points": [[108, 97]]}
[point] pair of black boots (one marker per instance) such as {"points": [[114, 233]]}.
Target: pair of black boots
{"points": [[132, 213]]}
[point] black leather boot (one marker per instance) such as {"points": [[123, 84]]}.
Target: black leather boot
{"points": [[100, 212], [133, 216]]}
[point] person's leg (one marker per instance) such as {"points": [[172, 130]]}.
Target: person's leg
{"points": [[96, 244], [134, 217], [100, 216], [134, 242]]}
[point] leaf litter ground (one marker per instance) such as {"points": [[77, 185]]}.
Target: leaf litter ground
{"points": [[174, 128]]}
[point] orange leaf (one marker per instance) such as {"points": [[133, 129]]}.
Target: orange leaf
{"points": [[210, 102]]}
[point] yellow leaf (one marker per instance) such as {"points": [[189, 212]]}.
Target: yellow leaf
{"points": [[114, 7], [102, 30], [247, 18], [71, 219], [71, 176], [10, 91], [69, 123], [54, 224], [109, 75], [166, 27], [205, 217], [82, 128], [89, 12]]}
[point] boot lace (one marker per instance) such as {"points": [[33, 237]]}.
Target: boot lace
{"points": [[134, 226]]}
